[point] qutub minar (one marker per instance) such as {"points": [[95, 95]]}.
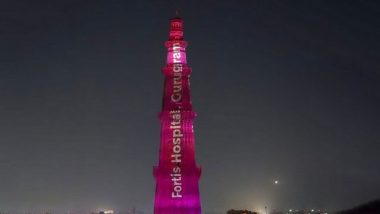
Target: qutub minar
{"points": [[177, 174]]}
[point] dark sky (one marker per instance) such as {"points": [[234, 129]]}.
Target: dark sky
{"points": [[285, 90]]}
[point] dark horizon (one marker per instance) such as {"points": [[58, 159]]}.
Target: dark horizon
{"points": [[284, 90]]}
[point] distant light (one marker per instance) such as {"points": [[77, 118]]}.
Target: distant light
{"points": [[108, 212], [290, 210], [312, 210], [276, 182]]}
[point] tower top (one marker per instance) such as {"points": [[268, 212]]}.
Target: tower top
{"points": [[176, 28]]}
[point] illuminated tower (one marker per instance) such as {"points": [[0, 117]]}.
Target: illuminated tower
{"points": [[177, 174]]}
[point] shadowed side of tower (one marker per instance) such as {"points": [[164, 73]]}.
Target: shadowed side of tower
{"points": [[177, 174]]}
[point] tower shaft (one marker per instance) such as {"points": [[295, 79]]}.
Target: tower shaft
{"points": [[177, 174]]}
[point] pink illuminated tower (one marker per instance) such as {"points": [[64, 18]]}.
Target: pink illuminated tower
{"points": [[177, 174]]}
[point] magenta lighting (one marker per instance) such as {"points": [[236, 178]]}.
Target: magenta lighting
{"points": [[177, 174]]}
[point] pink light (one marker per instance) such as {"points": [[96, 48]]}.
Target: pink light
{"points": [[177, 174]]}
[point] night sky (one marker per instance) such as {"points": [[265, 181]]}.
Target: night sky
{"points": [[284, 90]]}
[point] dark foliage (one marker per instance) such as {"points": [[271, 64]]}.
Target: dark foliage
{"points": [[372, 207], [240, 212]]}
